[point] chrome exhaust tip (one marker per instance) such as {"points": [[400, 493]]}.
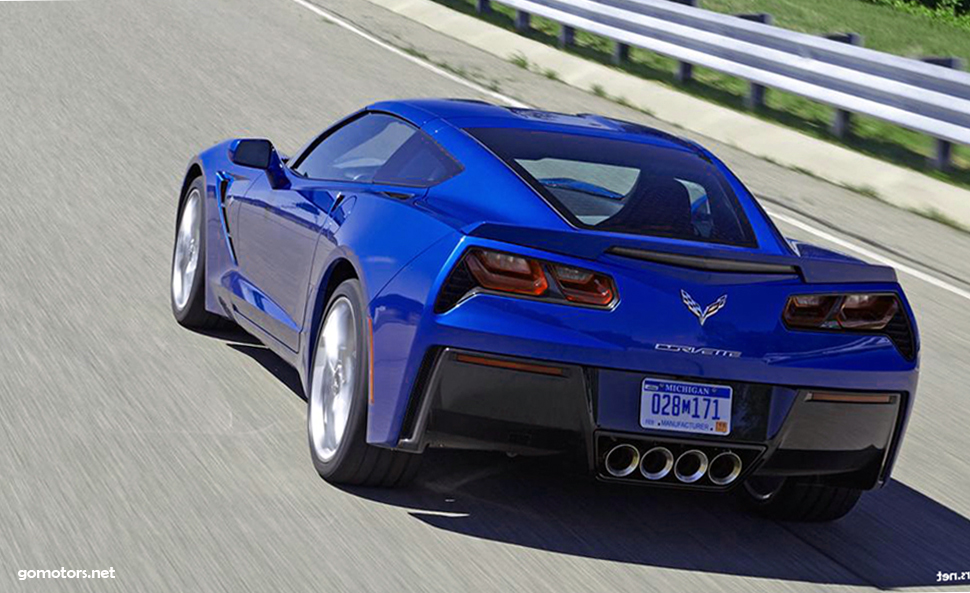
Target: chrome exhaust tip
{"points": [[690, 466], [622, 460], [656, 463], [725, 468]]}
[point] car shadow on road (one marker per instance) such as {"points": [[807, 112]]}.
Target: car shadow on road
{"points": [[244, 343], [897, 537], [272, 363]]}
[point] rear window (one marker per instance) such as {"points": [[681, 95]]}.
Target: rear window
{"points": [[624, 187]]}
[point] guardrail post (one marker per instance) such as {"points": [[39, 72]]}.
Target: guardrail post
{"points": [[947, 62], [943, 156], [685, 72], [756, 92], [483, 6], [850, 38], [522, 20], [621, 52], [567, 35], [842, 120], [756, 96], [758, 17]]}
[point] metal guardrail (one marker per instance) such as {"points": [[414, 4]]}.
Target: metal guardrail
{"points": [[919, 95]]}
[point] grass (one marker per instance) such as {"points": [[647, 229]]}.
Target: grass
{"points": [[884, 27], [521, 61], [942, 218], [492, 84], [864, 190], [416, 53], [551, 74]]}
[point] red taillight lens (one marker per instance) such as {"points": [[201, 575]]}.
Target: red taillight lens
{"points": [[865, 312], [584, 286], [517, 274], [507, 273], [810, 311]]}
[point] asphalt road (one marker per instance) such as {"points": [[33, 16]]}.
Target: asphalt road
{"points": [[180, 459]]}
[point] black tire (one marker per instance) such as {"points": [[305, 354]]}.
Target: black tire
{"points": [[193, 313], [798, 500], [353, 461]]}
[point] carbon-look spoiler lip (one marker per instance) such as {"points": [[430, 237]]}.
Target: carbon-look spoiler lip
{"points": [[592, 246]]}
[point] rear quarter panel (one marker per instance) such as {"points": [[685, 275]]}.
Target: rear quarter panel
{"points": [[378, 236]]}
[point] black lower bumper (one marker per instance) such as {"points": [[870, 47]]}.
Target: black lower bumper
{"points": [[473, 400]]}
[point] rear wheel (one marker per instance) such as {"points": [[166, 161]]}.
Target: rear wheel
{"points": [[188, 264], [337, 402], [789, 499]]}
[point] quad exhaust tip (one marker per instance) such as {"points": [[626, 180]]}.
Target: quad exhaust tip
{"points": [[690, 466], [656, 463], [725, 468], [622, 460]]}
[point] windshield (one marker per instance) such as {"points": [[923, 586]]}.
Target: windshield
{"points": [[625, 187]]}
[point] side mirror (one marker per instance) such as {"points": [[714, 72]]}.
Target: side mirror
{"points": [[255, 154], [260, 154]]}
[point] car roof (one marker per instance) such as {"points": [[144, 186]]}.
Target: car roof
{"points": [[469, 114], [472, 113]]}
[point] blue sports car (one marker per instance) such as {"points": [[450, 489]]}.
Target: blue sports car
{"points": [[450, 273]]}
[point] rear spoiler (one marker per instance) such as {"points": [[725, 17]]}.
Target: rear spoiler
{"points": [[592, 246]]}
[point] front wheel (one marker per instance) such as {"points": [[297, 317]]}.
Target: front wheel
{"points": [[789, 499], [337, 402]]}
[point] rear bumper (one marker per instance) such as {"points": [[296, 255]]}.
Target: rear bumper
{"points": [[469, 399]]}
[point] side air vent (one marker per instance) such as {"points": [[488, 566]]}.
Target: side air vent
{"points": [[900, 331], [458, 284], [418, 393], [225, 181]]}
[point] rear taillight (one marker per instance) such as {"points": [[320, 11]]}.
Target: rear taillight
{"points": [[855, 312], [505, 272], [811, 311], [500, 272], [584, 286], [866, 312]]}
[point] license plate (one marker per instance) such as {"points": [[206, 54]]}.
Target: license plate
{"points": [[685, 407]]}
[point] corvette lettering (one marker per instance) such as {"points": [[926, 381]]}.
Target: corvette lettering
{"points": [[695, 350]]}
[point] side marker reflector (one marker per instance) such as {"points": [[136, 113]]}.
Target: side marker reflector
{"points": [[851, 398], [370, 360], [510, 364]]}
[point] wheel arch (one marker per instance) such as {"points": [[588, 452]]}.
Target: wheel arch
{"points": [[191, 174], [338, 271]]}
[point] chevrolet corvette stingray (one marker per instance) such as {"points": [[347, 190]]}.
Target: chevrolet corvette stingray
{"points": [[450, 273]]}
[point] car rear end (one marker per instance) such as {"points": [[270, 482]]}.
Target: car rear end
{"points": [[648, 392], [664, 329]]}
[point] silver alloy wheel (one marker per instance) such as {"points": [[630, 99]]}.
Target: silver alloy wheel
{"points": [[334, 379], [187, 244]]}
